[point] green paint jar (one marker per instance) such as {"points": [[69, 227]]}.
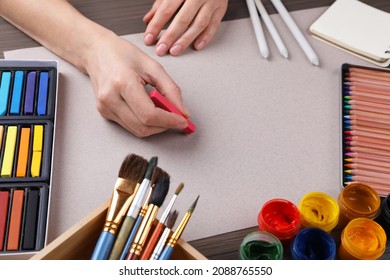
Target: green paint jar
{"points": [[261, 245]]}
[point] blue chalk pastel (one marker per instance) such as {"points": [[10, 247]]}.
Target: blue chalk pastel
{"points": [[4, 92], [17, 93], [43, 93], [30, 93]]}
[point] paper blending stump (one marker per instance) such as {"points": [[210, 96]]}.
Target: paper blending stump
{"points": [[265, 129]]}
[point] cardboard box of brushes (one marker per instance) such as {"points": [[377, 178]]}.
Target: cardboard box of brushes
{"points": [[129, 226], [28, 99]]}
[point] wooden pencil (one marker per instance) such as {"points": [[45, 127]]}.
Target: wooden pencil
{"points": [[374, 135], [369, 173], [371, 88], [356, 95], [366, 124], [368, 109], [367, 161], [371, 105], [372, 145], [373, 180], [366, 118], [368, 76], [382, 73], [368, 155], [368, 81], [367, 167], [368, 150], [380, 188], [369, 129]]}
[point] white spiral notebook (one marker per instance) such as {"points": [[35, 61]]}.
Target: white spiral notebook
{"points": [[357, 28]]}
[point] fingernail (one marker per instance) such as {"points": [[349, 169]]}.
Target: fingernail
{"points": [[148, 39], [175, 50], [201, 45], [182, 125], [161, 49]]}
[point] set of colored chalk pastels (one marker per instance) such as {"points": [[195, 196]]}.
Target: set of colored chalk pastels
{"points": [[28, 100]]}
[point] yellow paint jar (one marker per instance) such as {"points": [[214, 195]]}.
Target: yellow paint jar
{"points": [[319, 210], [357, 200], [362, 239]]}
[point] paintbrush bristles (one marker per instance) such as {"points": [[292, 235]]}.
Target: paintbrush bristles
{"points": [[157, 172], [179, 188], [172, 219], [133, 168], [192, 208], [151, 166], [160, 190]]}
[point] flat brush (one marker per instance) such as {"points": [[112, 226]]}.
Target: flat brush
{"points": [[158, 230], [157, 173], [158, 196], [130, 174], [129, 221], [172, 217], [168, 249]]}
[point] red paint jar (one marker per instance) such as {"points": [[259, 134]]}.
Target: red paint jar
{"points": [[281, 218]]}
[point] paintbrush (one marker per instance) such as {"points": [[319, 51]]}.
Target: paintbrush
{"points": [[130, 174], [157, 173], [158, 196], [164, 236], [168, 249], [154, 237], [133, 211]]}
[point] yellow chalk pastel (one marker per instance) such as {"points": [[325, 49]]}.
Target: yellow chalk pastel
{"points": [[9, 151], [37, 151]]}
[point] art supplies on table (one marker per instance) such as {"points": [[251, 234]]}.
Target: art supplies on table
{"points": [[365, 126], [261, 13], [28, 93], [131, 229], [357, 28]]}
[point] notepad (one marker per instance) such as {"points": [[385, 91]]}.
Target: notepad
{"points": [[357, 28]]}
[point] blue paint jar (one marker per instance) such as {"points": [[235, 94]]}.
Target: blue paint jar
{"points": [[313, 244]]}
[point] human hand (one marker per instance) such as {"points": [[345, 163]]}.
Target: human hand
{"points": [[193, 21], [119, 72]]}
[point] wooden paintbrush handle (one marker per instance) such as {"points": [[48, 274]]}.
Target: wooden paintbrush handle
{"points": [[147, 252]]}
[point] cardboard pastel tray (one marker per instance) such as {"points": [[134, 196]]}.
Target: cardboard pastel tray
{"points": [[365, 125], [28, 100], [78, 242]]}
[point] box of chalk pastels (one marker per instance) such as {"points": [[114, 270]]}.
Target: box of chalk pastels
{"points": [[366, 126], [28, 100]]}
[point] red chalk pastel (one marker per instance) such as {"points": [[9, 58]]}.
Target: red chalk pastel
{"points": [[160, 101]]}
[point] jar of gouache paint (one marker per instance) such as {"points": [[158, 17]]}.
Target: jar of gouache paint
{"points": [[281, 218], [319, 210], [357, 200], [362, 239], [384, 217], [261, 245], [313, 243]]}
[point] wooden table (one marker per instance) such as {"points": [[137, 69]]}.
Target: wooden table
{"points": [[125, 17]]}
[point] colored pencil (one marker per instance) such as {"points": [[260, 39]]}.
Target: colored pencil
{"points": [[164, 236], [369, 173], [159, 228], [368, 76], [356, 95], [367, 161], [368, 167], [372, 156], [361, 104], [366, 118], [369, 114], [368, 139], [363, 144], [372, 89], [158, 196], [374, 135], [366, 124], [368, 81], [382, 73], [133, 211], [368, 129], [365, 108], [130, 175]]}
